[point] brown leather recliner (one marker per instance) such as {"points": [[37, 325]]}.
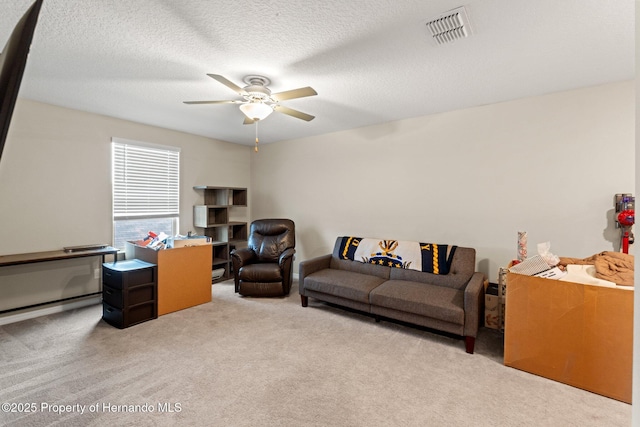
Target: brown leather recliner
{"points": [[265, 266]]}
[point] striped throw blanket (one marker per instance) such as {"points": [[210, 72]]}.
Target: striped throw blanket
{"points": [[428, 257]]}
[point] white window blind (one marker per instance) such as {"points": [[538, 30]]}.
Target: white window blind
{"points": [[146, 181]]}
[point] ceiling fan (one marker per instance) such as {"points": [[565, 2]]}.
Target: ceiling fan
{"points": [[258, 100]]}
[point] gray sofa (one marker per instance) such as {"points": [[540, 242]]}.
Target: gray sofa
{"points": [[451, 303]]}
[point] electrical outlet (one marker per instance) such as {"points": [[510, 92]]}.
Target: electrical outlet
{"points": [[96, 273]]}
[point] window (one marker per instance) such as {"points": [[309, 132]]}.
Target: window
{"points": [[146, 190]]}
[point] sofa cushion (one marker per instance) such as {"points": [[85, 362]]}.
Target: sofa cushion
{"points": [[343, 284], [437, 302], [380, 271], [262, 272], [462, 268]]}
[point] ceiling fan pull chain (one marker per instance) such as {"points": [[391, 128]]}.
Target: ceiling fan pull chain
{"points": [[256, 147]]}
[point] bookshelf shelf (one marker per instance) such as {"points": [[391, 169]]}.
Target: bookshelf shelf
{"points": [[213, 217]]}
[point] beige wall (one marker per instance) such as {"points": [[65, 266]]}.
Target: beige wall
{"points": [[55, 191], [548, 165], [55, 175]]}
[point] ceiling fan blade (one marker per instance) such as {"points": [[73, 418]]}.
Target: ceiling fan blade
{"points": [[248, 121], [228, 84], [214, 102], [295, 113], [294, 93]]}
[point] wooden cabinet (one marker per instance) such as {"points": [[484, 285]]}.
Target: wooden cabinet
{"points": [[184, 275], [129, 292], [214, 217]]}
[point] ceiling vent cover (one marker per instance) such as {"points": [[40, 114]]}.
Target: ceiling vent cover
{"points": [[450, 26]]}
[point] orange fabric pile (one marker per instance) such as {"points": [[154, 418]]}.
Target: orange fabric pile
{"points": [[615, 267]]}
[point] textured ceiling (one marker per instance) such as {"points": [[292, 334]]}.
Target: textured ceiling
{"points": [[371, 61]]}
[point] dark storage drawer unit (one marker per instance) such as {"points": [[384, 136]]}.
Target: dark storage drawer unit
{"points": [[129, 292]]}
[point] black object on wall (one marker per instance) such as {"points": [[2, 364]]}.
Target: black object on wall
{"points": [[12, 64]]}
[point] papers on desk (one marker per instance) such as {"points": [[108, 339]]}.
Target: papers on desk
{"points": [[530, 266], [537, 266], [190, 241]]}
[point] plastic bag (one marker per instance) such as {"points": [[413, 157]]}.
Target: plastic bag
{"points": [[545, 253]]}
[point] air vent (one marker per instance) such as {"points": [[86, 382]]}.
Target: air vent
{"points": [[450, 26]]}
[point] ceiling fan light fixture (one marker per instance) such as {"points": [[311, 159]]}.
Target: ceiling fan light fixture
{"points": [[256, 110], [257, 93]]}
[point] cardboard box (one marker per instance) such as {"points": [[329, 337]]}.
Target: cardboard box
{"points": [[184, 274], [502, 294], [581, 335], [492, 307], [190, 241]]}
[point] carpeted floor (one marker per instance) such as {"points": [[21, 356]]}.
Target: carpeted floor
{"points": [[269, 362]]}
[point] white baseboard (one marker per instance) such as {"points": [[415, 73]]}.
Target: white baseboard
{"points": [[32, 313], [26, 314]]}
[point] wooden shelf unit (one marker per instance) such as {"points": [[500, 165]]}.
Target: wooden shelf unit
{"points": [[214, 218]]}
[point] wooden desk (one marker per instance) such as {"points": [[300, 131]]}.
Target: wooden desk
{"points": [[37, 257], [17, 259]]}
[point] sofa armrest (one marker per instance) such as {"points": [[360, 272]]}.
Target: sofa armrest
{"points": [[242, 256], [285, 256], [473, 304], [310, 266], [286, 265]]}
